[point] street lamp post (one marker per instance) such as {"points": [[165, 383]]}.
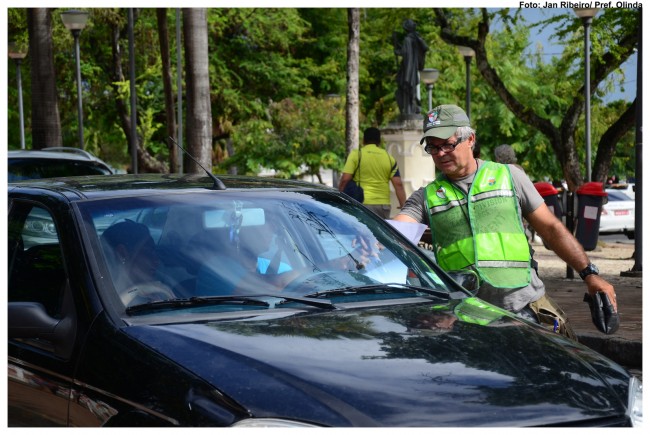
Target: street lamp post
{"points": [[18, 56], [467, 54], [75, 22], [428, 76], [586, 14]]}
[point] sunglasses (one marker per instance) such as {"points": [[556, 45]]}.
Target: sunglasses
{"points": [[445, 148]]}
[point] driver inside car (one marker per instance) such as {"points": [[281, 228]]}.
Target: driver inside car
{"points": [[133, 263]]}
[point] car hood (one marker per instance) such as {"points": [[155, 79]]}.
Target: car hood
{"points": [[460, 364]]}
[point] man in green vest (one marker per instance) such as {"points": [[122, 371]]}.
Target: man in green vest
{"points": [[372, 168], [475, 210]]}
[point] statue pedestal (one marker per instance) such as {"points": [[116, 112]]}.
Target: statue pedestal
{"points": [[416, 167]]}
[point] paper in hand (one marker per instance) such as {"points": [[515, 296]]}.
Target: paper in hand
{"points": [[412, 230]]}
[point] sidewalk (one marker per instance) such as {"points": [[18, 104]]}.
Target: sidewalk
{"points": [[624, 346]]}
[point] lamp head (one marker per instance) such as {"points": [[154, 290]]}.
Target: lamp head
{"points": [[15, 52], [74, 20], [586, 12], [466, 51], [428, 76]]}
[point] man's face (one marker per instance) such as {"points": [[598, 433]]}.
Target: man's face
{"points": [[452, 156], [144, 261]]}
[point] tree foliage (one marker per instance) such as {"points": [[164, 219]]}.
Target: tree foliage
{"points": [[534, 94], [277, 83], [296, 138]]}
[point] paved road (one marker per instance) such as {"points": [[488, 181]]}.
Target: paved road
{"points": [[625, 346], [615, 238]]}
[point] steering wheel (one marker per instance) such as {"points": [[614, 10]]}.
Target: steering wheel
{"points": [[147, 292], [327, 280]]}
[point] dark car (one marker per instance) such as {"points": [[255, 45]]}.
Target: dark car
{"points": [[54, 162], [162, 300]]}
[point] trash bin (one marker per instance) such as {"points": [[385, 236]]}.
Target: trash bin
{"points": [[591, 197], [550, 195]]}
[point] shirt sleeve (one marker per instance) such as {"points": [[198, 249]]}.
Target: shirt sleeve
{"points": [[351, 163], [529, 197], [414, 206]]}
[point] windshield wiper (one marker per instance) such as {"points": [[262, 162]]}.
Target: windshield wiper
{"points": [[313, 302], [253, 300], [195, 302], [387, 288]]}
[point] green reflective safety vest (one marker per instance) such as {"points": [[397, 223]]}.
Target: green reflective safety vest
{"points": [[482, 230]]}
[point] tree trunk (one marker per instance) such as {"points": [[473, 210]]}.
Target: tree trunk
{"points": [[352, 100], [170, 113], [605, 153], [46, 123], [199, 112]]}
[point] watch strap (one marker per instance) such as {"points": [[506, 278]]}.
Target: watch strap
{"points": [[591, 269]]}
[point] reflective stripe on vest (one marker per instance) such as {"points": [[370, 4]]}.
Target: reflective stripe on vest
{"points": [[484, 231]]}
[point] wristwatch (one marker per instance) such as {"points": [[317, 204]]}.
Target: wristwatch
{"points": [[591, 269]]}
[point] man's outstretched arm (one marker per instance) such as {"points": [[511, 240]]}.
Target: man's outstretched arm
{"points": [[567, 247]]}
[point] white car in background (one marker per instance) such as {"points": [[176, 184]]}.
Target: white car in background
{"points": [[617, 215], [627, 188]]}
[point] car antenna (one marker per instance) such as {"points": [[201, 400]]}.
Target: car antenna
{"points": [[218, 184]]}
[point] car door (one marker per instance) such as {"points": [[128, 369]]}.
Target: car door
{"points": [[41, 320]]}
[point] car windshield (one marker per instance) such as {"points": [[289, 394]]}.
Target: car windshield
{"points": [[210, 248]]}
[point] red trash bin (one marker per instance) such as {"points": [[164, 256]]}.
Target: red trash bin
{"points": [[591, 197], [550, 195]]}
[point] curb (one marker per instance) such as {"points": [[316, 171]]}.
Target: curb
{"points": [[624, 352]]}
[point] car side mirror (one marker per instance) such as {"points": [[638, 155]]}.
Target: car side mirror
{"points": [[29, 321], [468, 279]]}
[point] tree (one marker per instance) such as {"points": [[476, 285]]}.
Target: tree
{"points": [[352, 100], [559, 125], [120, 86], [46, 124], [199, 114], [261, 60], [170, 114], [300, 136]]}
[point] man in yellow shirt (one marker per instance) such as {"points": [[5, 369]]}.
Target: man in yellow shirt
{"points": [[372, 168]]}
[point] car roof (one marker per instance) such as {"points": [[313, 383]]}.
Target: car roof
{"points": [[124, 185], [56, 153]]}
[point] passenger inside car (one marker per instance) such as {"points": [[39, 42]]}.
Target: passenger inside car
{"points": [[133, 262], [231, 264]]}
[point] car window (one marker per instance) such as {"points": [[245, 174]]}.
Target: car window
{"points": [[47, 168], [614, 195], [36, 270]]}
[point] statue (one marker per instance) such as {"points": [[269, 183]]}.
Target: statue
{"points": [[412, 50]]}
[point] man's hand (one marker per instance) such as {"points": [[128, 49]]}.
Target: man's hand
{"points": [[366, 249], [603, 314], [596, 283]]}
